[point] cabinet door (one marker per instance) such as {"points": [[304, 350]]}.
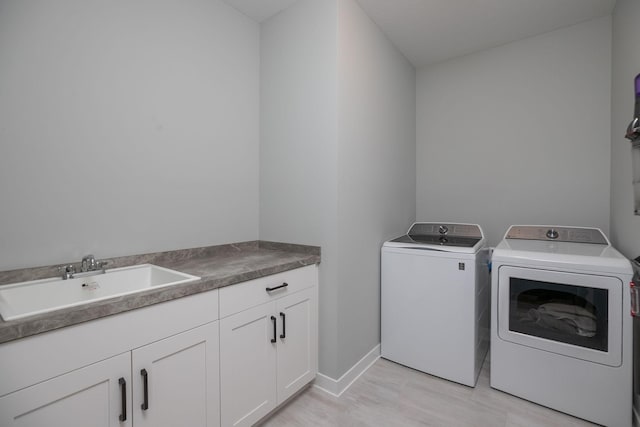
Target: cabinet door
{"points": [[89, 396], [182, 383], [248, 365], [297, 342]]}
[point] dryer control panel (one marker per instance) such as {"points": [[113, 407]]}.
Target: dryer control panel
{"points": [[557, 234]]}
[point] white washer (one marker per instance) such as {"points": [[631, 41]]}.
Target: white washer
{"points": [[561, 333], [435, 300]]}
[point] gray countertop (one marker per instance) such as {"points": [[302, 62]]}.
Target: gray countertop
{"points": [[217, 266]]}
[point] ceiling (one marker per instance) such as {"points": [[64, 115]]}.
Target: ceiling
{"points": [[259, 10], [431, 31]]}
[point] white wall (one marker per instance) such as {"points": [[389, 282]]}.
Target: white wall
{"points": [[376, 171], [298, 145], [625, 226], [518, 133], [336, 157], [125, 127]]}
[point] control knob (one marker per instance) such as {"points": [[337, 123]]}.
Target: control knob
{"points": [[552, 234]]}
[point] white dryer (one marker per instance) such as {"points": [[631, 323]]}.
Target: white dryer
{"points": [[561, 330], [435, 300]]}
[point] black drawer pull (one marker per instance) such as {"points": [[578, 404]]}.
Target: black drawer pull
{"points": [[273, 319], [145, 387], [123, 393], [283, 335], [284, 285]]}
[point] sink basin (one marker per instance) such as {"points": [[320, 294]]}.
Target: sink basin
{"points": [[24, 299]]}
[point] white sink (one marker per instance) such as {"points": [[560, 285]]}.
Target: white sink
{"points": [[24, 299]]}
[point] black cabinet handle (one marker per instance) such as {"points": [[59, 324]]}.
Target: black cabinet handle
{"points": [[145, 387], [273, 319], [123, 393], [284, 285], [284, 328]]}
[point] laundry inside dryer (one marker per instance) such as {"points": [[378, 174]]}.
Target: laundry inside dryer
{"points": [[559, 312]]}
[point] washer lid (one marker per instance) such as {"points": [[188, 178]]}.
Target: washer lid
{"points": [[451, 237], [439, 240]]}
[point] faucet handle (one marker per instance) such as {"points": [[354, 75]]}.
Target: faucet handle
{"points": [[67, 268], [88, 263], [67, 271]]}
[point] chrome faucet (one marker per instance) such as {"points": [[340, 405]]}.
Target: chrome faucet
{"points": [[88, 267], [89, 263]]}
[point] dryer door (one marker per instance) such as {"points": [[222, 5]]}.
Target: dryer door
{"points": [[576, 315]]}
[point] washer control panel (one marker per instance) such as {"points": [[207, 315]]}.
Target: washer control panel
{"points": [[445, 229], [557, 234]]}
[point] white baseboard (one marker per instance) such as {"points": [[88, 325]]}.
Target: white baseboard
{"points": [[339, 386]]}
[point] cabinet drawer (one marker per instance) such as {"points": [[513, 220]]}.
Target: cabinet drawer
{"points": [[236, 298]]}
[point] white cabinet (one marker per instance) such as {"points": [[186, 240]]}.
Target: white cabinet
{"points": [[172, 364], [181, 389], [175, 381], [267, 351], [247, 366], [297, 345], [90, 396], [70, 377]]}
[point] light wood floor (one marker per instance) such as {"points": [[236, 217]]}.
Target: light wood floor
{"points": [[392, 395]]}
